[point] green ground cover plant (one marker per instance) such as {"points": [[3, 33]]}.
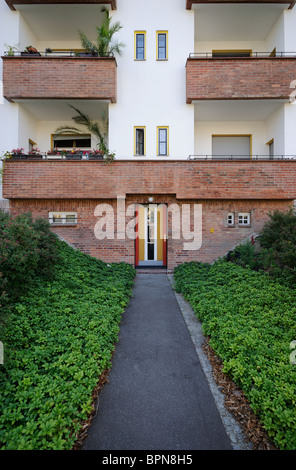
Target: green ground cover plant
{"points": [[58, 339], [250, 319]]}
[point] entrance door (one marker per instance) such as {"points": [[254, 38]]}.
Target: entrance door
{"points": [[151, 235]]}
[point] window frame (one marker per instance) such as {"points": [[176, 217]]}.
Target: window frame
{"points": [[242, 215], [63, 218], [159, 128], [136, 34], [71, 137], [158, 33], [232, 222], [142, 128]]}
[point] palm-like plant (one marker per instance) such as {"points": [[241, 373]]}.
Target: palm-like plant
{"points": [[104, 46], [98, 129]]}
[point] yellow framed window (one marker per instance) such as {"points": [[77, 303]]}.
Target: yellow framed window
{"points": [[161, 45], [140, 45], [139, 140], [162, 140]]}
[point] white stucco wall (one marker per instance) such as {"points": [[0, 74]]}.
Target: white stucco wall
{"points": [[152, 93]]}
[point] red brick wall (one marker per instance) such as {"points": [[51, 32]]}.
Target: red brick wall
{"points": [[63, 179], [59, 77], [217, 237], [243, 78]]}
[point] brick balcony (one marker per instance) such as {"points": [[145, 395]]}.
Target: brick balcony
{"points": [[202, 180], [239, 78], [53, 77]]}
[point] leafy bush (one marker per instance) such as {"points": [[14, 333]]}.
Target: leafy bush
{"points": [[58, 340], [278, 240], [251, 321], [27, 249], [274, 251]]}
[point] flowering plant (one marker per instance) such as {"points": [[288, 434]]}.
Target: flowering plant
{"points": [[18, 151], [34, 151]]}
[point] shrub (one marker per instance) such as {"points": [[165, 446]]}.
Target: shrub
{"points": [[274, 250], [278, 240], [27, 249]]}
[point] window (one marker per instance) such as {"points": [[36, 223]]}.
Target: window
{"points": [[162, 141], [232, 53], [232, 146], [62, 218], [230, 219], [70, 141], [161, 45], [244, 218], [140, 45], [139, 141]]}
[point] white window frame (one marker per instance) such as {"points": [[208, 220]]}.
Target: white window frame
{"points": [[230, 219], [62, 216], [244, 219]]}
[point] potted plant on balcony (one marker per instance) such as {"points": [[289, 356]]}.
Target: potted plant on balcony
{"points": [[35, 154], [98, 129], [75, 154], [10, 50], [17, 153], [105, 45], [30, 50]]}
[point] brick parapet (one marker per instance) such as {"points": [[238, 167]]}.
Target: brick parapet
{"points": [[42, 179], [239, 78], [52, 77]]}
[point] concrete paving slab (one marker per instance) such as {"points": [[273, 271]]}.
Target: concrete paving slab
{"points": [[158, 396]]}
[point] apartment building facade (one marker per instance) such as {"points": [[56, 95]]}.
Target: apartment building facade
{"points": [[199, 111]]}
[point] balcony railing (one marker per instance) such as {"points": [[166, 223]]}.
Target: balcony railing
{"points": [[236, 55], [241, 157], [53, 53]]}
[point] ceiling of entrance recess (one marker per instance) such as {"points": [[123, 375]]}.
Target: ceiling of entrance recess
{"points": [[231, 22], [61, 22]]}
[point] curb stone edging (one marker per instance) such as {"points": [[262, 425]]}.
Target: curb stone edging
{"points": [[232, 428]]}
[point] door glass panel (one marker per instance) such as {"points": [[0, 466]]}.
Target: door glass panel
{"points": [[150, 233]]}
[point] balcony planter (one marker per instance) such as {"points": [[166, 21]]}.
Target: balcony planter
{"points": [[96, 156], [30, 51], [73, 156], [88, 54], [34, 156]]}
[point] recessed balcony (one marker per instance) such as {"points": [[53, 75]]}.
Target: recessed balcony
{"points": [[260, 76], [59, 76]]}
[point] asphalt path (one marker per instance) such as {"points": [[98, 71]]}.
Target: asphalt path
{"points": [[157, 397]]}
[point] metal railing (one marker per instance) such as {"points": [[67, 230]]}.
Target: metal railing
{"points": [[242, 157], [207, 55], [54, 53]]}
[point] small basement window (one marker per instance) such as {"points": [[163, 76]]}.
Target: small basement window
{"points": [[244, 218], [230, 219], [62, 218]]}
